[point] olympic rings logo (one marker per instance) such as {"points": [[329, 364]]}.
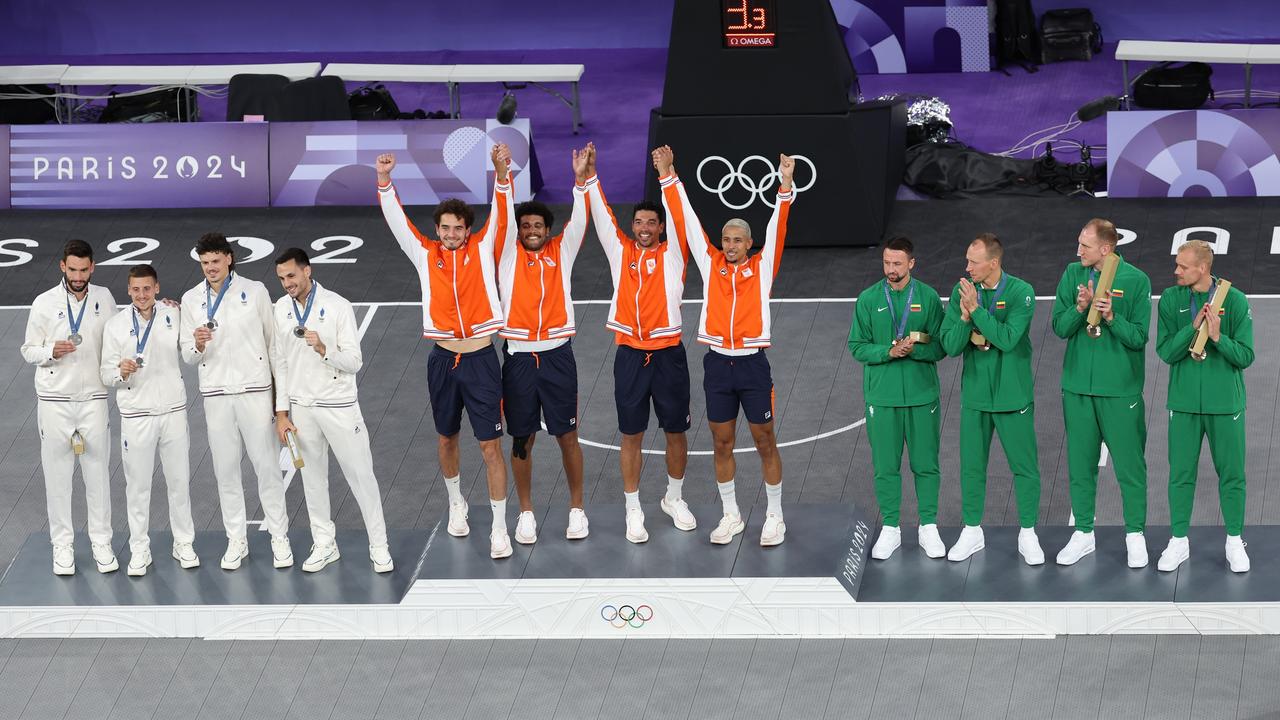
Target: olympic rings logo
{"points": [[756, 189], [626, 615]]}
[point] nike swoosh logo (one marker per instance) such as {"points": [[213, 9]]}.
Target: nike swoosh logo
{"points": [[882, 309], [1023, 411], [1237, 417], [1133, 406], [1185, 310], [934, 410]]}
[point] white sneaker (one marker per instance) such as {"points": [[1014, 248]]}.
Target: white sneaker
{"points": [[105, 558], [458, 526], [139, 562], [1080, 544], [185, 555], [237, 550], [1029, 547], [635, 526], [380, 556], [1237, 558], [320, 557], [729, 526], [678, 509], [578, 528], [499, 544], [1135, 544], [526, 528], [971, 541], [774, 532], [281, 552], [64, 560], [890, 540], [931, 542], [1175, 553]]}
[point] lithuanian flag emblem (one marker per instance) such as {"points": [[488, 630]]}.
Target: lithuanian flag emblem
{"points": [[999, 304], [1117, 292], [915, 307]]}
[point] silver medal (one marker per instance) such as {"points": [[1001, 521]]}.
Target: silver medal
{"points": [[76, 338], [300, 331]]}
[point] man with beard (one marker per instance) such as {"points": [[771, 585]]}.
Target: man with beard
{"points": [[1206, 398], [64, 341], [140, 357], [461, 311], [316, 356], [736, 327], [895, 336], [650, 367], [987, 322], [227, 331], [1102, 377], [539, 372]]}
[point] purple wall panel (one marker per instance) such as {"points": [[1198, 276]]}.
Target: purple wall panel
{"points": [[138, 166], [4, 168], [81, 27], [1193, 153]]}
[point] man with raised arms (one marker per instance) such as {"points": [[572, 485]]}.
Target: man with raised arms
{"points": [[736, 327], [461, 312]]}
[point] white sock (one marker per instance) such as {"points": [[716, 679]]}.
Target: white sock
{"points": [[774, 495], [729, 497], [499, 508], [454, 486], [633, 500], [674, 487]]}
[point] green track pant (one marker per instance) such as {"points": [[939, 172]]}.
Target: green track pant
{"points": [[1017, 431], [1226, 446], [887, 429], [1121, 423]]}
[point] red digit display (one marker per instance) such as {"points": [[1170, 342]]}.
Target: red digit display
{"points": [[748, 23]]}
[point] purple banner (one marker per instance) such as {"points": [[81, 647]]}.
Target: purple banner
{"points": [[331, 163], [917, 36], [4, 169], [138, 166], [1193, 153]]}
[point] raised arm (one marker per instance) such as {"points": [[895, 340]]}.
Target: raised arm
{"points": [[411, 242], [682, 221], [607, 232], [775, 234], [499, 230], [575, 231]]}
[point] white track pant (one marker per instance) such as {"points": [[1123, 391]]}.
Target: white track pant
{"points": [[249, 416], [343, 430], [140, 439], [57, 421]]}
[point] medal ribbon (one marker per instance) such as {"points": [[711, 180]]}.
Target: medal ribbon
{"points": [[210, 304], [74, 323], [1004, 277], [302, 316], [899, 327], [143, 337], [1194, 310]]}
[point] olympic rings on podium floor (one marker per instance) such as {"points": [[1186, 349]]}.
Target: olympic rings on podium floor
{"points": [[621, 616]]}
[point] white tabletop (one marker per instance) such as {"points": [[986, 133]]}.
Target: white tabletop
{"points": [[1160, 51], [516, 73], [221, 74], [31, 74], [127, 74], [371, 72], [1264, 54]]}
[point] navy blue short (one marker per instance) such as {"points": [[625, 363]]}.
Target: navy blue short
{"points": [[738, 381], [657, 376], [466, 380], [540, 384]]}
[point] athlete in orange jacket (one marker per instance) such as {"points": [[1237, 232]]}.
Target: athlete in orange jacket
{"points": [[539, 372], [735, 324], [650, 366], [461, 312]]}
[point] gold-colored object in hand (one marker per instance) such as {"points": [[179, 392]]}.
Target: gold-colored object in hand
{"points": [[1108, 275], [1216, 300], [979, 340], [295, 453], [918, 336], [77, 443]]}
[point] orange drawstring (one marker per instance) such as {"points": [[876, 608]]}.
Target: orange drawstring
{"points": [[457, 358], [537, 362], [647, 358]]}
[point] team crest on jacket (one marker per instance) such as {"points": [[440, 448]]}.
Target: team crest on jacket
{"points": [[746, 273], [244, 298], [549, 262], [633, 267], [440, 263], [167, 322], [529, 264], [95, 308], [650, 265], [1027, 301], [724, 272]]}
